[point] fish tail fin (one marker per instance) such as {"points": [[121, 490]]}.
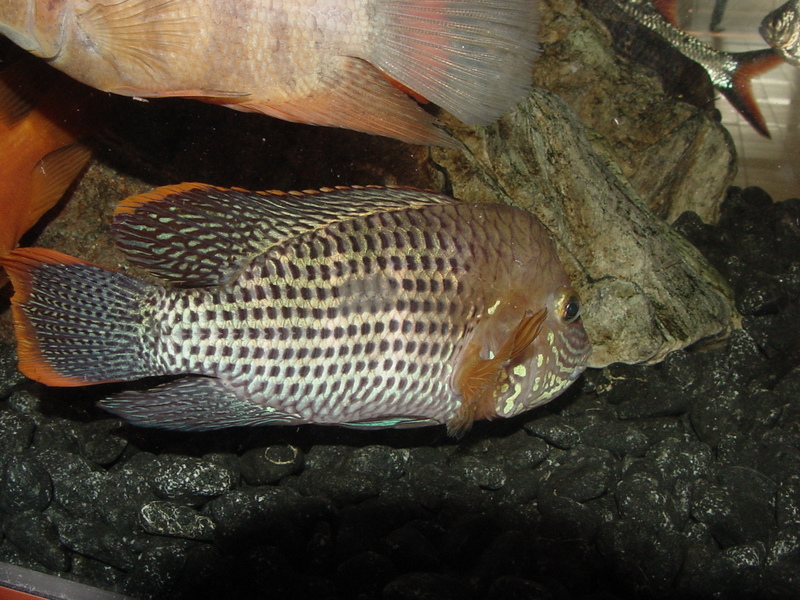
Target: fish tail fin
{"points": [[740, 93], [474, 58], [76, 323], [669, 10]]}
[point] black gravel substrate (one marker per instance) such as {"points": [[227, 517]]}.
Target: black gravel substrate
{"points": [[680, 480]]}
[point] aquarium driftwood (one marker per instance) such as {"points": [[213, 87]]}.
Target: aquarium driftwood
{"points": [[677, 156], [646, 290]]}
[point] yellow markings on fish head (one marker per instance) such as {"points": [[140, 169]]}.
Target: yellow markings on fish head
{"points": [[513, 407], [492, 308]]}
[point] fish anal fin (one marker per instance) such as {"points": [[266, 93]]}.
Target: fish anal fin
{"points": [[741, 94], [407, 90], [192, 404], [360, 98], [478, 378]]}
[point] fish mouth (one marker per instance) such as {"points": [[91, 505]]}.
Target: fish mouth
{"points": [[581, 365]]}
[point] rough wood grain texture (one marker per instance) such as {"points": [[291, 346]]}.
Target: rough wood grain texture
{"points": [[676, 156], [646, 290]]}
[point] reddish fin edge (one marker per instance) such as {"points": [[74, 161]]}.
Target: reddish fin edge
{"points": [[669, 10], [20, 266], [131, 203], [744, 100]]}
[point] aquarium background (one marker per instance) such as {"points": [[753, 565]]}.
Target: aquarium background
{"points": [[674, 480]]}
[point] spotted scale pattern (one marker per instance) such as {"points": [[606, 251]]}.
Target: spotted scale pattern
{"points": [[350, 323]]}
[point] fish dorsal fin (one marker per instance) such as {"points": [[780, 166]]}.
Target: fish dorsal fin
{"points": [[476, 378], [198, 235]]}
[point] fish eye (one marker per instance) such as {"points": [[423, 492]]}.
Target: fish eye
{"points": [[571, 309]]}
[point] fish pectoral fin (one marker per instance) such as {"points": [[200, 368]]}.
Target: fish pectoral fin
{"points": [[193, 404], [195, 235], [477, 378], [143, 33], [357, 96]]}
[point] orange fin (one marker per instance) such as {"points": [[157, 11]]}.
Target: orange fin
{"points": [[740, 94], [407, 90], [21, 88], [49, 181], [21, 266], [76, 323], [53, 175], [362, 99], [669, 10], [477, 378]]}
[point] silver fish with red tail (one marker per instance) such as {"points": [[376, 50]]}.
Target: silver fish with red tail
{"points": [[730, 72], [362, 307], [781, 30]]}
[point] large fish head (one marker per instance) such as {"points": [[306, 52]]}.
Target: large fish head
{"points": [[552, 361]]}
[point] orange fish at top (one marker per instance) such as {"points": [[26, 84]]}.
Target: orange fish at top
{"points": [[340, 63], [43, 115]]}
